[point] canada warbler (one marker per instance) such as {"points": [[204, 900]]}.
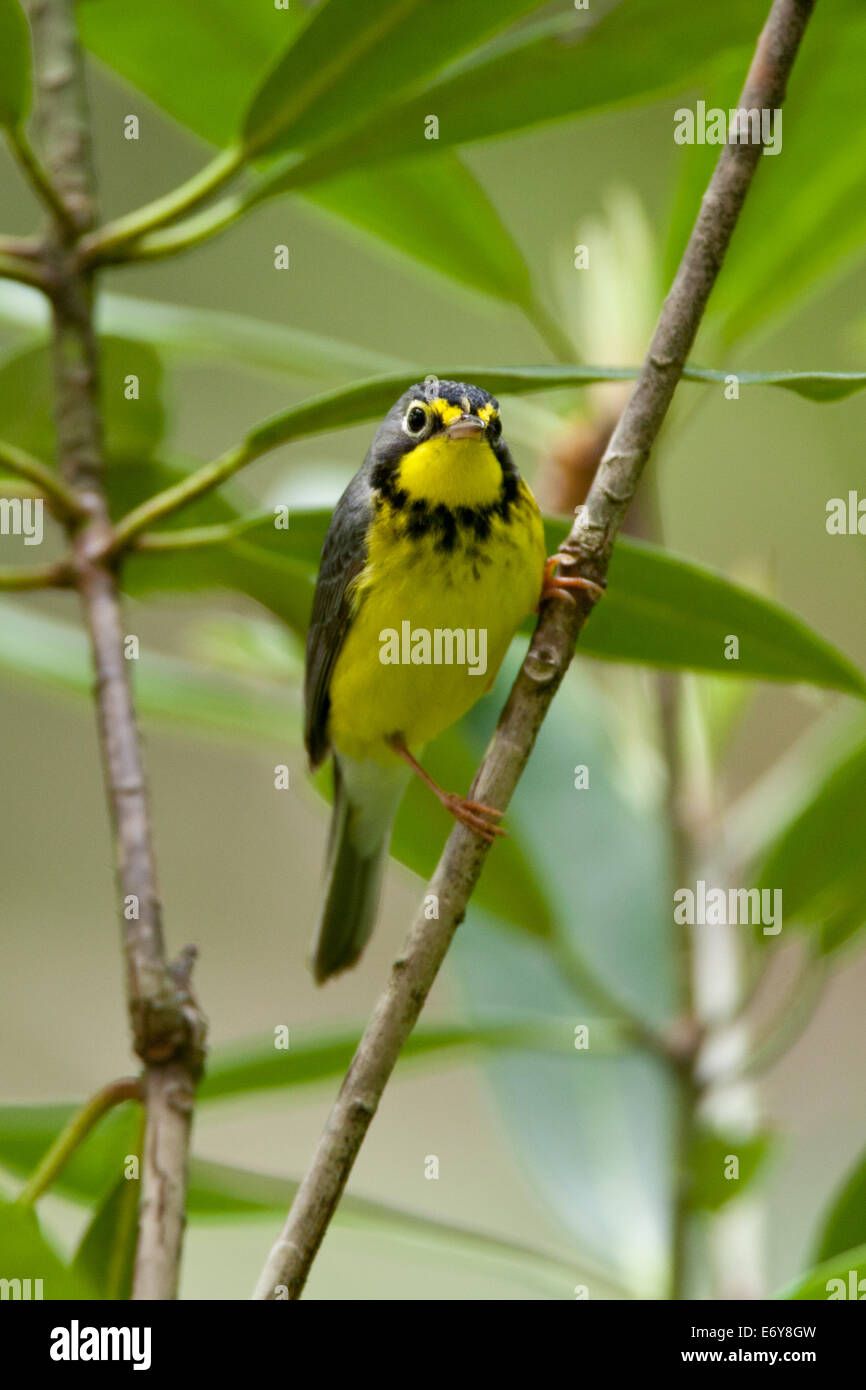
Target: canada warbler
{"points": [[434, 556]]}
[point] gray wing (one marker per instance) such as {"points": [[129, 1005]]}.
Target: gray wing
{"points": [[344, 555]]}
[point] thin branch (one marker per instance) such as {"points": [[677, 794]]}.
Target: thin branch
{"points": [[49, 483], [39, 180], [670, 699], [73, 1135], [167, 1031], [210, 222], [551, 650]]}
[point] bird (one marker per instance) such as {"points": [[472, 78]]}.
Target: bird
{"points": [[434, 555]]}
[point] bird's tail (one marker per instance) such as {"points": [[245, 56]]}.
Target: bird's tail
{"points": [[365, 803]]}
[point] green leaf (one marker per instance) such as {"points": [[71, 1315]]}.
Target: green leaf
{"points": [[15, 93], [210, 334], [710, 1164], [218, 1191], [826, 890], [662, 610], [845, 1220], [255, 559], [338, 42], [106, 1254], [347, 58], [843, 1277], [55, 655], [217, 53], [431, 209], [241, 1068], [558, 70], [186, 332], [366, 400], [805, 218], [435, 211], [28, 1256], [131, 426], [201, 80], [594, 1130]]}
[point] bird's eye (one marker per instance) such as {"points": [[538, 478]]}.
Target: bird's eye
{"points": [[494, 427], [417, 417]]}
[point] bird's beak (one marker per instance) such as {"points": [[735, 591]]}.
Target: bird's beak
{"points": [[465, 427]]}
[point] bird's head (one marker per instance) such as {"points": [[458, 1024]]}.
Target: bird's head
{"points": [[442, 443]]}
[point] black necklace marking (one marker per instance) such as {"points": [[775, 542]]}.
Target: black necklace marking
{"points": [[422, 518]]}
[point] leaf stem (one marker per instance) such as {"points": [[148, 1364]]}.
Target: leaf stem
{"points": [[40, 182], [25, 271], [195, 537], [74, 1134], [109, 243], [64, 498], [157, 508], [21, 577]]}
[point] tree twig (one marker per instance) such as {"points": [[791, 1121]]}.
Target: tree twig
{"points": [[589, 545], [167, 1031]]}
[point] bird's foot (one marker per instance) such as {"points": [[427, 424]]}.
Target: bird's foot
{"points": [[475, 815], [555, 585]]}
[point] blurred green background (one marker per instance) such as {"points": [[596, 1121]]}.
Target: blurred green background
{"points": [[739, 485]]}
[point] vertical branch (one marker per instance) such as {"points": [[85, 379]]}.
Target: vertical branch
{"points": [[166, 1030], [686, 1099], [589, 546], [727, 1098]]}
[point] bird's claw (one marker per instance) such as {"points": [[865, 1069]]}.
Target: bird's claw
{"points": [[557, 585], [475, 815]]}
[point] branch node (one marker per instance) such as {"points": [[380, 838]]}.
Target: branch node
{"points": [[541, 664]]}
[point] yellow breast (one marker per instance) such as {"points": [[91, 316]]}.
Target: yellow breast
{"points": [[432, 624]]}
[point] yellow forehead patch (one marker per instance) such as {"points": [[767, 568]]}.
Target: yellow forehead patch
{"points": [[448, 412], [445, 410]]}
